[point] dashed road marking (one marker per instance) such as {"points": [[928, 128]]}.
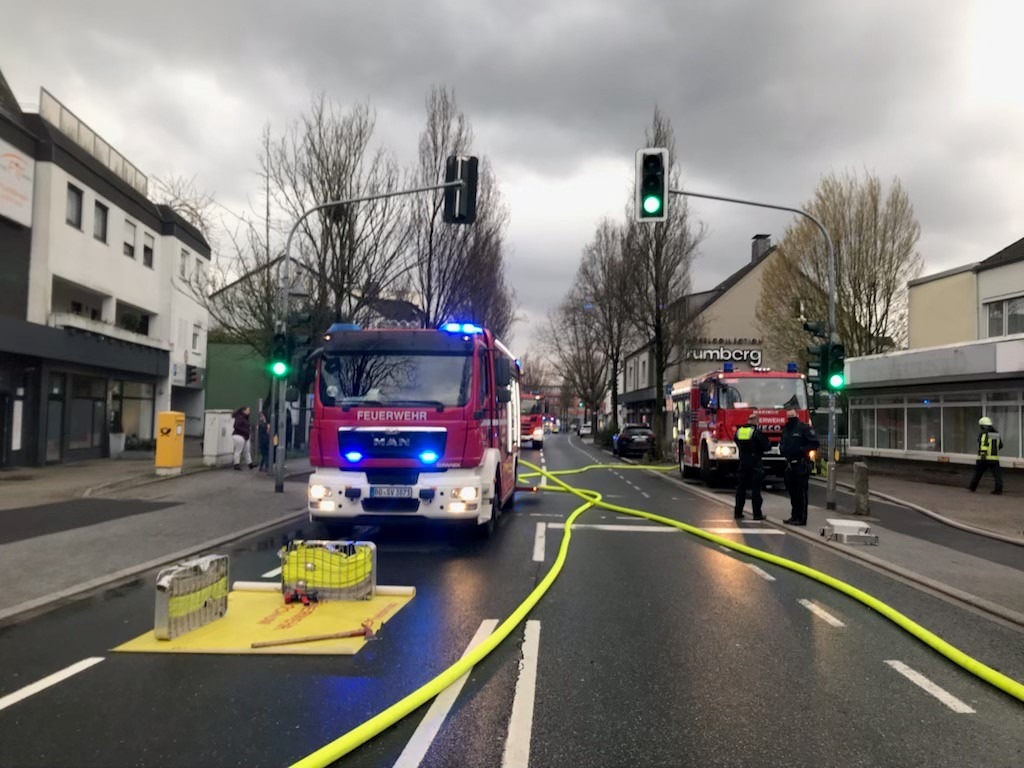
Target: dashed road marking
{"points": [[645, 494], [50, 680], [751, 531], [539, 541], [272, 574], [517, 744], [923, 682], [630, 528], [760, 572], [821, 613], [414, 752]]}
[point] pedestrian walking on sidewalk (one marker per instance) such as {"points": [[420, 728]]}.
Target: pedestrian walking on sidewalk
{"points": [[989, 444], [752, 445], [798, 440], [263, 441], [240, 437]]}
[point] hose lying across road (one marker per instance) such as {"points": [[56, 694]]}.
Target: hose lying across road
{"points": [[383, 720]]}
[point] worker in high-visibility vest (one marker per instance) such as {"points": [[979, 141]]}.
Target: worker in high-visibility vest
{"points": [[989, 444], [752, 444]]}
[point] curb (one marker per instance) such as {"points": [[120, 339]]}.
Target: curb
{"points": [[967, 598], [1017, 540], [136, 482], [55, 600]]}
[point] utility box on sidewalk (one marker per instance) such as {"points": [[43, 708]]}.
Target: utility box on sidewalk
{"points": [[218, 448], [170, 442]]}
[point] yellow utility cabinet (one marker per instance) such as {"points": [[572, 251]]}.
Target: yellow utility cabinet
{"points": [[170, 442]]}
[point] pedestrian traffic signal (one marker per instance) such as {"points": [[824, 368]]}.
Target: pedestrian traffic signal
{"points": [[460, 200], [835, 380], [651, 184], [279, 358]]}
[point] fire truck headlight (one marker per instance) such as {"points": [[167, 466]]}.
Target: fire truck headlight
{"points": [[457, 507], [326, 506], [538, 434], [725, 451], [469, 493], [318, 492]]}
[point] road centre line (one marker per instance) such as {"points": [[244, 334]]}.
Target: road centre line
{"points": [[546, 514], [760, 572], [645, 494], [539, 541], [520, 726], [923, 682], [414, 752], [597, 527], [41, 685], [821, 613], [272, 574]]}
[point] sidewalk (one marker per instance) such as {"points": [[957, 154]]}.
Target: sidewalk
{"points": [[1002, 514], [182, 516]]}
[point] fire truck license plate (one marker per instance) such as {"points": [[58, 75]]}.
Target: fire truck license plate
{"points": [[391, 492]]}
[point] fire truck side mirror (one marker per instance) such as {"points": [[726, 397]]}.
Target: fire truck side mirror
{"points": [[502, 373], [504, 395]]}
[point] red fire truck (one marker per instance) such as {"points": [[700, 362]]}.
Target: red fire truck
{"points": [[533, 415], [708, 408], [414, 423]]}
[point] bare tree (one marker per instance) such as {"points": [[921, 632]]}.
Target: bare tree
{"points": [[875, 236], [575, 340], [604, 283], [658, 259], [537, 373]]}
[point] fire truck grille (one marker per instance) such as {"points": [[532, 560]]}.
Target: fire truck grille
{"points": [[392, 476], [391, 505], [396, 443]]}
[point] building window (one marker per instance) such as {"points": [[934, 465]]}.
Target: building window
{"points": [[129, 239], [132, 408], [960, 428], [1006, 420], [99, 222], [924, 429], [1006, 316], [183, 265], [889, 424], [74, 212], [147, 250], [197, 335], [643, 374]]}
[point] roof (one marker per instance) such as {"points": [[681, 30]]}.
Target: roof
{"points": [[941, 275], [1009, 255]]}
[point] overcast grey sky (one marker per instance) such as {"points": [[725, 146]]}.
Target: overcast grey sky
{"points": [[764, 96]]}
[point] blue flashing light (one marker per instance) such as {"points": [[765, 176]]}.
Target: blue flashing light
{"points": [[338, 327], [470, 328], [467, 328], [727, 367], [429, 457], [452, 327], [354, 456], [926, 402], [791, 368]]}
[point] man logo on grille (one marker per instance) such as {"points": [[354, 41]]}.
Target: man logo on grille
{"points": [[392, 442]]}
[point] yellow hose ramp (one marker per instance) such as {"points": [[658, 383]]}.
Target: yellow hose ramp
{"points": [[341, 746]]}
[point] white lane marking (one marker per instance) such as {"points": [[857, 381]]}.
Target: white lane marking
{"points": [[592, 527], [821, 613], [517, 744], [41, 685], [753, 531], [431, 723], [538, 542], [760, 572], [272, 574], [546, 514], [941, 694], [724, 548], [645, 494]]}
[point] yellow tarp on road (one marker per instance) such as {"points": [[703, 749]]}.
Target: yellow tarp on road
{"points": [[259, 616]]}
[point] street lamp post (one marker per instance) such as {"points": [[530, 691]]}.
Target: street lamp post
{"points": [[830, 492]]}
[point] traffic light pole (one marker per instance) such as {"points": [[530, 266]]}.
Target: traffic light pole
{"points": [[282, 323], [830, 491]]}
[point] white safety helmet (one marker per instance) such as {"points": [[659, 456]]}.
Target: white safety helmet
{"points": [[984, 421]]}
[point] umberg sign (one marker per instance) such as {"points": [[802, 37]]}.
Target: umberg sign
{"points": [[728, 351]]}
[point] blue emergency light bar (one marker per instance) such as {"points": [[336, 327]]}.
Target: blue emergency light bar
{"points": [[354, 456], [792, 368], [429, 457], [462, 328], [727, 367]]}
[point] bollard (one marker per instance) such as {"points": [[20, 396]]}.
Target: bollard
{"points": [[862, 505]]}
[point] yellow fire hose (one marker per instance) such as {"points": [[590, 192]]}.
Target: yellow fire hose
{"points": [[375, 725]]}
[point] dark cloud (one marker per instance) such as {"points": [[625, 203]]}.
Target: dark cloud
{"points": [[764, 97]]}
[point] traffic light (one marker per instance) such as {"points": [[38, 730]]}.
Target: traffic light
{"points": [[651, 184], [835, 378], [817, 364], [460, 201], [279, 358]]}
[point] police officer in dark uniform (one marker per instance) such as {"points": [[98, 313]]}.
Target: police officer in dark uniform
{"points": [[798, 440], [752, 445]]}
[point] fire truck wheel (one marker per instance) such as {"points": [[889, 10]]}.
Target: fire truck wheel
{"points": [[486, 530], [685, 470], [708, 475]]}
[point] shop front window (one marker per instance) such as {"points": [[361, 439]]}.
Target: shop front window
{"points": [[1006, 420], [924, 429], [132, 404], [960, 428], [890, 423], [862, 427], [88, 409]]}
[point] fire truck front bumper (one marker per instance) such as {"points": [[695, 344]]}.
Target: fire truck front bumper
{"points": [[457, 495]]}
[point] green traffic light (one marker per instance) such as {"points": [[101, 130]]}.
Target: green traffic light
{"points": [[836, 381], [652, 204], [278, 368]]}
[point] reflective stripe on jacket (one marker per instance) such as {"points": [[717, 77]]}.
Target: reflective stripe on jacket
{"points": [[988, 446]]}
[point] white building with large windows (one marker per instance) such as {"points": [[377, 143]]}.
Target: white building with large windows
{"points": [[99, 325], [966, 361]]}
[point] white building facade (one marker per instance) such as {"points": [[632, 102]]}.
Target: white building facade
{"points": [[105, 330]]}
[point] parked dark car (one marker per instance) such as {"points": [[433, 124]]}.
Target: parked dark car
{"points": [[633, 439]]}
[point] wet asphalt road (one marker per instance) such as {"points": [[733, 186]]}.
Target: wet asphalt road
{"points": [[655, 649]]}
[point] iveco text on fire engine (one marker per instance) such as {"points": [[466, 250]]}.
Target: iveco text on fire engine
{"points": [[414, 423], [708, 408]]}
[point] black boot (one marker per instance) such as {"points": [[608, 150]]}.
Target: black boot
{"points": [[238, 468]]}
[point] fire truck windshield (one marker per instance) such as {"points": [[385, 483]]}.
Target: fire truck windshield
{"points": [[763, 393], [394, 377], [530, 406]]}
